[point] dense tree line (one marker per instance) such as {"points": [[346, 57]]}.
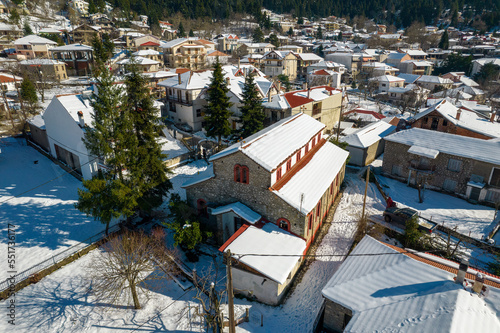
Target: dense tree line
{"points": [[397, 12]]}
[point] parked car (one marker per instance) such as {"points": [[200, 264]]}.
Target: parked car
{"points": [[401, 215]]}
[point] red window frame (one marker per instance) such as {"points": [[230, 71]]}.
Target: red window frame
{"points": [[310, 221], [319, 137], [201, 205], [241, 174], [331, 187], [299, 155], [283, 220], [237, 173], [278, 173], [313, 143], [288, 164], [307, 147], [318, 208]]}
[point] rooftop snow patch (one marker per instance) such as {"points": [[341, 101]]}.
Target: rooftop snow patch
{"points": [[368, 135], [425, 152], [477, 149], [272, 145], [239, 209], [270, 240]]}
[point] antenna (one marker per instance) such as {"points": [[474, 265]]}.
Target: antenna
{"points": [[302, 195]]}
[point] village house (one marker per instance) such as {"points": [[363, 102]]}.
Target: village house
{"points": [[434, 83], [419, 67], [323, 77], [33, 46], [385, 82], [405, 290], [149, 54], [373, 69], [463, 166], [227, 43], [10, 82], [288, 175], [328, 65], [187, 52], [323, 103], [277, 63], [8, 33], [51, 70], [443, 116], [304, 60], [213, 55], [255, 48], [78, 58], [65, 119], [85, 33], [367, 143], [293, 48]]}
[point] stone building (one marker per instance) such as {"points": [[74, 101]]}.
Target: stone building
{"points": [[288, 173], [446, 117], [463, 166]]}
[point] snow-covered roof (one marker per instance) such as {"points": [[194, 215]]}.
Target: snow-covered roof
{"points": [[463, 146], [368, 135], [419, 63], [309, 57], [37, 121], [422, 151], [434, 79], [41, 61], [142, 53], [468, 119], [32, 40], [414, 53], [272, 145], [394, 292], [239, 209], [269, 240], [313, 180], [409, 78], [73, 104], [200, 177], [72, 47], [387, 78], [138, 61]]}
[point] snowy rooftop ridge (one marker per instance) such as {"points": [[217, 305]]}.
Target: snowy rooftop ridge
{"points": [[477, 149], [272, 145], [368, 135], [239, 209], [384, 297]]}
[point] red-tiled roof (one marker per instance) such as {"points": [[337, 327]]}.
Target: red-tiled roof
{"points": [[321, 72], [150, 43], [294, 100], [6, 78], [203, 41], [217, 54], [373, 113], [181, 70]]}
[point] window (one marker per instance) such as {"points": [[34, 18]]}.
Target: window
{"points": [[288, 164], [307, 147], [454, 165], [241, 174], [319, 137], [238, 222], [383, 84], [492, 196], [198, 113], [331, 188], [318, 208], [445, 122], [299, 155], [449, 185], [495, 177], [283, 224], [397, 170], [426, 119], [313, 142], [278, 174], [310, 221], [202, 208], [316, 109]]}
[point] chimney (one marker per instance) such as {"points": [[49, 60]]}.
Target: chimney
{"points": [[478, 283], [80, 119], [492, 118], [179, 78], [304, 86], [459, 112], [278, 86], [309, 93], [228, 80], [269, 95], [462, 269]]}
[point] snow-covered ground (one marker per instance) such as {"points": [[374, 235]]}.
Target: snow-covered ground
{"points": [[60, 302], [470, 219], [58, 90], [46, 220], [170, 146]]}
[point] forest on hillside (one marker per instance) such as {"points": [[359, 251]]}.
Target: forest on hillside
{"points": [[400, 13]]}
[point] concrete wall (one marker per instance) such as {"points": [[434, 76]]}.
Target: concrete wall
{"points": [[39, 136]]}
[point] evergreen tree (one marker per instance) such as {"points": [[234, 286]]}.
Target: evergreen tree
{"points": [[489, 72], [191, 33], [340, 37], [290, 32], [454, 17], [14, 17], [146, 166], [444, 42], [258, 35], [27, 29], [217, 110], [319, 33], [28, 93], [273, 39], [109, 194], [252, 113], [180, 31], [92, 7], [285, 81]]}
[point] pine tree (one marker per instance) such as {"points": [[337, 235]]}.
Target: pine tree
{"points": [[290, 32], [273, 39], [28, 92], [454, 17], [191, 33], [217, 110], [258, 35], [252, 113], [444, 42], [92, 7], [319, 33], [180, 31], [27, 29], [146, 165]]}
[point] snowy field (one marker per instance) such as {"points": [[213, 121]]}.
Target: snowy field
{"points": [[470, 219], [45, 218], [170, 146], [60, 302]]}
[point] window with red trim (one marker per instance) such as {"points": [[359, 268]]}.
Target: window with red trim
{"points": [[331, 188], [241, 174], [288, 164], [318, 208], [319, 137], [202, 208], [283, 224], [313, 143], [310, 221], [299, 155], [337, 180], [307, 147], [278, 174]]}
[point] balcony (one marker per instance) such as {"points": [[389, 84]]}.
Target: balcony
{"points": [[421, 167], [174, 99]]}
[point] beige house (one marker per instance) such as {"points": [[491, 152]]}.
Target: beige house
{"points": [[149, 54], [33, 46], [187, 52], [255, 48], [385, 82], [49, 68], [145, 64], [431, 82], [8, 33], [280, 62], [84, 34]]}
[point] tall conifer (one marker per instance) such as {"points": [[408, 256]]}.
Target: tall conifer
{"points": [[252, 113]]}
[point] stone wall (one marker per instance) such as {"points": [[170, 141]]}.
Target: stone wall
{"points": [[397, 154], [335, 316]]}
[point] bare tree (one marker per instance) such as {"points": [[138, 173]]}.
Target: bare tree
{"points": [[129, 261]]}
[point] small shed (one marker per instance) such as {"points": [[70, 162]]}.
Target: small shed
{"points": [[38, 133]]}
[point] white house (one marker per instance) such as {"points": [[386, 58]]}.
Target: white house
{"points": [[65, 118]]}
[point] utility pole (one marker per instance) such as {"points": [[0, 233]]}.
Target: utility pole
{"points": [[232, 328], [340, 114], [366, 190]]}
